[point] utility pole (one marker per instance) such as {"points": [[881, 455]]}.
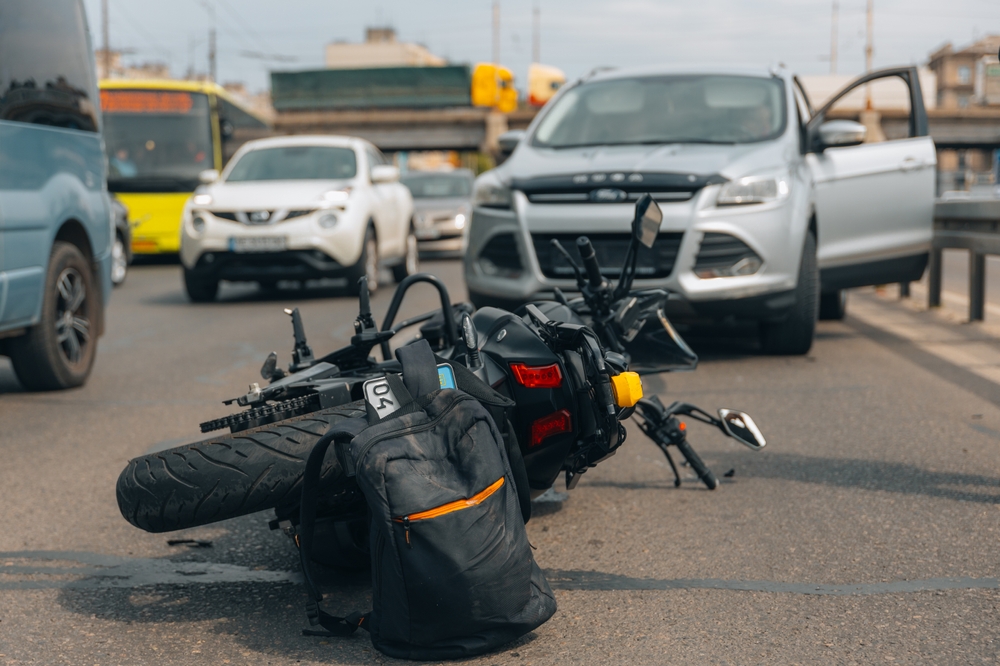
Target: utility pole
{"points": [[869, 50], [833, 37], [496, 32], [212, 74], [536, 34], [105, 37]]}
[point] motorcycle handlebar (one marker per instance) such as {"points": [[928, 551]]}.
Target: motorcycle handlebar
{"points": [[589, 257], [699, 467]]}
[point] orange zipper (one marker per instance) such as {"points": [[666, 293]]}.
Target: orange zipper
{"points": [[450, 507]]}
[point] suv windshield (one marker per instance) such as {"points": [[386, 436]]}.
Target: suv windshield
{"points": [[666, 109], [438, 186], [156, 140], [295, 163]]}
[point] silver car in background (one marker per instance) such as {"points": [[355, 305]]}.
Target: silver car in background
{"points": [[442, 205], [770, 209]]}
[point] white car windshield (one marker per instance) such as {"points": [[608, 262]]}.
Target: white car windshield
{"points": [[295, 163], [666, 109]]}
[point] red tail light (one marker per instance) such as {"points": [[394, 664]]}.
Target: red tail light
{"points": [[537, 376], [555, 423]]}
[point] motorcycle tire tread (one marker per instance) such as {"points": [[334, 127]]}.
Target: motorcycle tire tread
{"points": [[228, 475]]}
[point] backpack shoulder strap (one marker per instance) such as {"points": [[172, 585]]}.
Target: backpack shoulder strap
{"points": [[344, 431], [420, 373]]}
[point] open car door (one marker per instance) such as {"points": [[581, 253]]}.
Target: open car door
{"points": [[874, 195]]}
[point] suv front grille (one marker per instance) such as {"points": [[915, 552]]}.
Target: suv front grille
{"points": [[655, 262], [500, 257]]}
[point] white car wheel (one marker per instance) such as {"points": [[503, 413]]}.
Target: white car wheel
{"points": [[411, 262]]}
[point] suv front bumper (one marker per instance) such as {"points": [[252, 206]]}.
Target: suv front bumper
{"points": [[502, 263]]}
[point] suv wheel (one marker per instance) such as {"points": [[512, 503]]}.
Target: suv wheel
{"points": [[833, 305], [411, 262], [366, 265], [794, 334], [59, 351], [200, 289]]}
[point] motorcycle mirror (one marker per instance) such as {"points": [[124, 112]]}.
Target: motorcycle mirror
{"points": [[648, 217], [741, 427]]}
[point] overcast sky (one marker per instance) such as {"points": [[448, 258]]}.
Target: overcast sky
{"points": [[576, 35]]}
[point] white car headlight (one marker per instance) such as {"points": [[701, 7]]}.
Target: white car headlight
{"points": [[202, 199], [338, 196], [752, 190], [492, 194]]}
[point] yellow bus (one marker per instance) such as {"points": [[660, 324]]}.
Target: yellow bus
{"points": [[160, 136]]}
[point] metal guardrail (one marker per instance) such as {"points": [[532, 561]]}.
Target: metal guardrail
{"points": [[966, 224]]}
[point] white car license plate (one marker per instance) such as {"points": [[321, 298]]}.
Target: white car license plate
{"points": [[257, 244]]}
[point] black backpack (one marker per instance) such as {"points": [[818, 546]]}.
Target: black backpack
{"points": [[452, 571]]}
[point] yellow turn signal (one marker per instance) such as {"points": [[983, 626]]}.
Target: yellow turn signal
{"points": [[627, 388]]}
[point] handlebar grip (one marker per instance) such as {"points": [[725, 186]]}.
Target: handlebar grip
{"points": [[703, 472], [589, 256]]}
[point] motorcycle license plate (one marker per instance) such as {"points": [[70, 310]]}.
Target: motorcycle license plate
{"points": [[257, 244]]}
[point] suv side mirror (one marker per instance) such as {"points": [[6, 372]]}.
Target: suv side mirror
{"points": [[508, 140], [648, 217], [841, 133]]}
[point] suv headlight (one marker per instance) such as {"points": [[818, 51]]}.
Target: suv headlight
{"points": [[491, 194], [753, 190]]}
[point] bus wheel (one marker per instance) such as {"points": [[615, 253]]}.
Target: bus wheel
{"points": [[200, 289]]}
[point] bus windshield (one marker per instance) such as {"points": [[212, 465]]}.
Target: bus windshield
{"points": [[156, 140]]}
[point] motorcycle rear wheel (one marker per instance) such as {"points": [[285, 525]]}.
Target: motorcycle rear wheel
{"points": [[229, 475]]}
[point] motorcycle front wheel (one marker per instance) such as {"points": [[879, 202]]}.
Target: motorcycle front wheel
{"points": [[229, 475]]}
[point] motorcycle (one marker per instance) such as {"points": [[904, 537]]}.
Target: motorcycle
{"points": [[571, 368]]}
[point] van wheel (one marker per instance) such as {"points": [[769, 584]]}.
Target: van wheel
{"points": [[794, 334], [833, 305], [366, 265], [59, 351], [199, 289], [411, 261]]}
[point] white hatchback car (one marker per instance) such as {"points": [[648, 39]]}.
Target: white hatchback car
{"points": [[298, 208]]}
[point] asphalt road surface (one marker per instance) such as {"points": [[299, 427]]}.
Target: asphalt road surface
{"points": [[866, 531]]}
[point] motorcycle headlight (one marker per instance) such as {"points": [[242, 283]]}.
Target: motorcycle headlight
{"points": [[492, 194], [752, 190]]}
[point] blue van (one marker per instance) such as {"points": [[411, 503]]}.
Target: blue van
{"points": [[56, 223]]}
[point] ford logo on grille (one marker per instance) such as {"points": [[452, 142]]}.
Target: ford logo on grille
{"points": [[608, 195]]}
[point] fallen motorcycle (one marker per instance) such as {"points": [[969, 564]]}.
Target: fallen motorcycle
{"points": [[570, 367]]}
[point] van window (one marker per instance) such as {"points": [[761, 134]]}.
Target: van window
{"points": [[46, 75]]}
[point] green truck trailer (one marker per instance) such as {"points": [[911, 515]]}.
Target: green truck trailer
{"points": [[372, 88]]}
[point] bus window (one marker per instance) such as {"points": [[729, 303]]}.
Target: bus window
{"points": [[237, 127], [45, 75], [157, 140]]}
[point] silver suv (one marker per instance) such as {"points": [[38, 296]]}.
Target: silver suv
{"points": [[770, 209]]}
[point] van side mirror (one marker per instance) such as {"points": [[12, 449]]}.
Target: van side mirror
{"points": [[841, 133], [508, 140], [648, 217], [226, 129]]}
